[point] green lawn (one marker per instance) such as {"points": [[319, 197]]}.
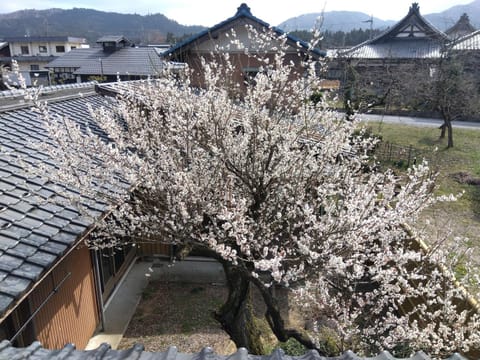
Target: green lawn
{"points": [[452, 219], [463, 157]]}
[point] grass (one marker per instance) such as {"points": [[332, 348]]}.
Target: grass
{"points": [[463, 157], [452, 220]]}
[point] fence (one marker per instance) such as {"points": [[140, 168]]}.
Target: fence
{"points": [[403, 156]]}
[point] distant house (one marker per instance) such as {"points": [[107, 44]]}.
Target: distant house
{"points": [[391, 64], [218, 38], [32, 53], [396, 60], [413, 37], [461, 28], [52, 287], [114, 58]]}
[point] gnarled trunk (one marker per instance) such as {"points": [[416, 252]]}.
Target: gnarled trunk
{"points": [[236, 315], [277, 323]]}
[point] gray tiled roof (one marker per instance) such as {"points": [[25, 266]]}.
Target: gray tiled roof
{"points": [[461, 28], [468, 42], [243, 12], [112, 38], [418, 49], [37, 224], [104, 352], [142, 61], [424, 42]]}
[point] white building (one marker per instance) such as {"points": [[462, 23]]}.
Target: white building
{"points": [[32, 53]]}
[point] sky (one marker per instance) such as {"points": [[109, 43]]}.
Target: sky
{"points": [[211, 12]]}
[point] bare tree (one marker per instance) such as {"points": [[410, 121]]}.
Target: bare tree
{"points": [[449, 90]]}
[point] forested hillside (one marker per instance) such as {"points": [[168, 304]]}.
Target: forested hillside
{"points": [[92, 24]]}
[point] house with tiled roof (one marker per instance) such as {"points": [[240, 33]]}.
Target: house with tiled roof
{"points": [[461, 28], [52, 286], [33, 53], [407, 54], [218, 38], [114, 58], [413, 37], [388, 64]]}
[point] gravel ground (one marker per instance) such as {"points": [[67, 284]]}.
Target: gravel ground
{"points": [[174, 314]]}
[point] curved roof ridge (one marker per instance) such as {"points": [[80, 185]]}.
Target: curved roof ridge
{"points": [[413, 16], [243, 11]]}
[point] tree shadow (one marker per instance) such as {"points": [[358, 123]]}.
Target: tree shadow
{"points": [[472, 190], [432, 141]]}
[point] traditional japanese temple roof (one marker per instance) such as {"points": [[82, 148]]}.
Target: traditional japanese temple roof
{"points": [[411, 37], [461, 28]]}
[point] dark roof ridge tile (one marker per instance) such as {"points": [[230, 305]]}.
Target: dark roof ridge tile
{"points": [[36, 352]]}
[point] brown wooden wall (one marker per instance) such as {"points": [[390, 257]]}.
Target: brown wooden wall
{"points": [[239, 61], [71, 314], [153, 248]]}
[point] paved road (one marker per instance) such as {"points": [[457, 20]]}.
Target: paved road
{"points": [[407, 120]]}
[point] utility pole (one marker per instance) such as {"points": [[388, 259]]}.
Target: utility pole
{"points": [[371, 25]]}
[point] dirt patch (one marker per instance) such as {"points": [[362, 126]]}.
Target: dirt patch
{"points": [[465, 178], [178, 314]]}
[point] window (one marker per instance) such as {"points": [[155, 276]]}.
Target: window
{"points": [[73, 47], [60, 49], [34, 67], [42, 49], [24, 50], [249, 74]]}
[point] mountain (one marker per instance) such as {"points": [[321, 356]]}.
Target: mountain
{"points": [[157, 28], [335, 21], [92, 24], [349, 20], [449, 17]]}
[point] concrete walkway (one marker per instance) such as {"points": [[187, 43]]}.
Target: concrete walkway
{"points": [[121, 306]]}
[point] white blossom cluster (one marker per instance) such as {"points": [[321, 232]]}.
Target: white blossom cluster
{"points": [[279, 185]]}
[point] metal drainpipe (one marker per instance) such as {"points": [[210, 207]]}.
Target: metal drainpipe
{"points": [[54, 291], [98, 279]]}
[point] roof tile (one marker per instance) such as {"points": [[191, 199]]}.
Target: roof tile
{"points": [[42, 258], [5, 302], [64, 237], [22, 250], [104, 352], [29, 271], [35, 239], [10, 263], [18, 231], [47, 230], [29, 222], [14, 286], [7, 200], [57, 248], [7, 242]]}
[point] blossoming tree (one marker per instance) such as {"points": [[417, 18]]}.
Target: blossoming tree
{"points": [[282, 191]]}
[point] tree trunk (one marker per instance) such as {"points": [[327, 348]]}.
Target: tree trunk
{"points": [[236, 315], [450, 135], [442, 128], [277, 324]]}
